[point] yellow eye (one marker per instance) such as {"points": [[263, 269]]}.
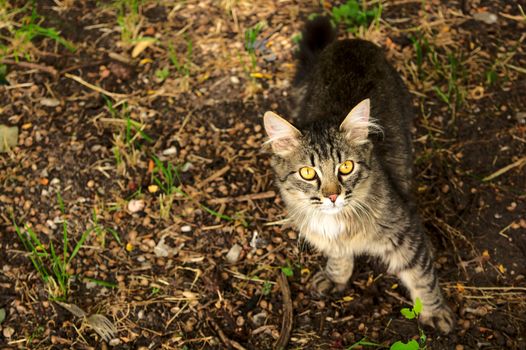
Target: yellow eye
{"points": [[346, 167], [307, 173]]}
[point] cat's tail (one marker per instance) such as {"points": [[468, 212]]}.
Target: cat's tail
{"points": [[317, 34]]}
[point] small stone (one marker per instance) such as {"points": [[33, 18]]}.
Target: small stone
{"points": [[8, 137], [234, 79], [161, 249], [115, 342], [90, 184], [512, 206], [459, 347], [292, 235], [135, 205], [233, 254], [186, 228], [8, 332], [170, 151], [486, 17], [240, 321], [259, 319], [49, 102]]}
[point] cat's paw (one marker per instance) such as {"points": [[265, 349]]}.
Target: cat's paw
{"points": [[442, 319], [321, 285]]}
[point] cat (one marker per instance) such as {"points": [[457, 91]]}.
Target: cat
{"points": [[345, 170]]}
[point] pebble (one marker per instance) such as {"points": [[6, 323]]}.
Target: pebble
{"points": [[8, 332], [115, 342], [486, 17], [170, 151], [135, 205], [234, 79], [186, 228], [240, 321], [234, 253], [459, 347], [292, 235], [90, 184], [49, 102]]}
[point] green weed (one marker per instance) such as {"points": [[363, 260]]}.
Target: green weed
{"points": [[183, 65], [162, 74], [267, 288], [21, 33], [410, 314], [128, 19], [51, 264], [353, 15], [101, 231], [166, 177], [127, 142], [251, 36]]}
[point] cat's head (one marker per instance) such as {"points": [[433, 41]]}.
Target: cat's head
{"points": [[323, 168]]}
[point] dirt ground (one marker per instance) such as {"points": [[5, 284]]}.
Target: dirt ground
{"points": [[98, 125]]}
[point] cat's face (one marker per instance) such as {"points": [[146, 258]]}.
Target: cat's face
{"points": [[324, 168]]}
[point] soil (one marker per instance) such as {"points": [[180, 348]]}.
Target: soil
{"points": [[470, 158]]}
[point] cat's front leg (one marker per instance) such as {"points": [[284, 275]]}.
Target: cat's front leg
{"points": [[420, 278], [334, 277]]}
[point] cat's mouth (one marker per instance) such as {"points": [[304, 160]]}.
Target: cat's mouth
{"points": [[331, 210]]}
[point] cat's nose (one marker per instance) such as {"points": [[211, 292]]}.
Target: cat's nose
{"points": [[333, 197]]}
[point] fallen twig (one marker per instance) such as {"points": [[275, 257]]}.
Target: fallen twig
{"points": [[30, 65], [214, 176], [95, 88], [520, 162], [228, 342], [244, 198], [286, 324]]}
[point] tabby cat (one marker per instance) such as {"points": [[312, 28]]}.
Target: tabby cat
{"points": [[345, 172]]}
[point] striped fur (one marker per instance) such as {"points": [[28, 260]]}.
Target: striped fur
{"points": [[374, 212]]}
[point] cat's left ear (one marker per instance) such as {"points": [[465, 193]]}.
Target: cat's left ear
{"points": [[281, 134], [356, 124]]}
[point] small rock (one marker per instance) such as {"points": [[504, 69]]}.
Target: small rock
{"points": [[233, 254], [186, 228], [8, 332], [161, 250], [521, 117], [49, 102], [486, 17], [234, 79], [170, 151], [259, 318], [8, 137], [115, 342], [135, 205]]}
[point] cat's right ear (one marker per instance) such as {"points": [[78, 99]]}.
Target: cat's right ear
{"points": [[282, 135]]}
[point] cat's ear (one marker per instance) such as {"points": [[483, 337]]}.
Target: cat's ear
{"points": [[282, 135], [356, 125]]}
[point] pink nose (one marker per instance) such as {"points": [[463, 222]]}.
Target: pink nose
{"points": [[333, 197]]}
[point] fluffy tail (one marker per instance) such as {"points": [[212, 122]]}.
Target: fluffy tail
{"points": [[317, 34]]}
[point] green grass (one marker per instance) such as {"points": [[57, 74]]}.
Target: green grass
{"points": [[413, 344], [128, 19], [251, 36], [355, 14], [21, 32], [129, 140], [166, 177], [51, 263], [182, 65]]}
